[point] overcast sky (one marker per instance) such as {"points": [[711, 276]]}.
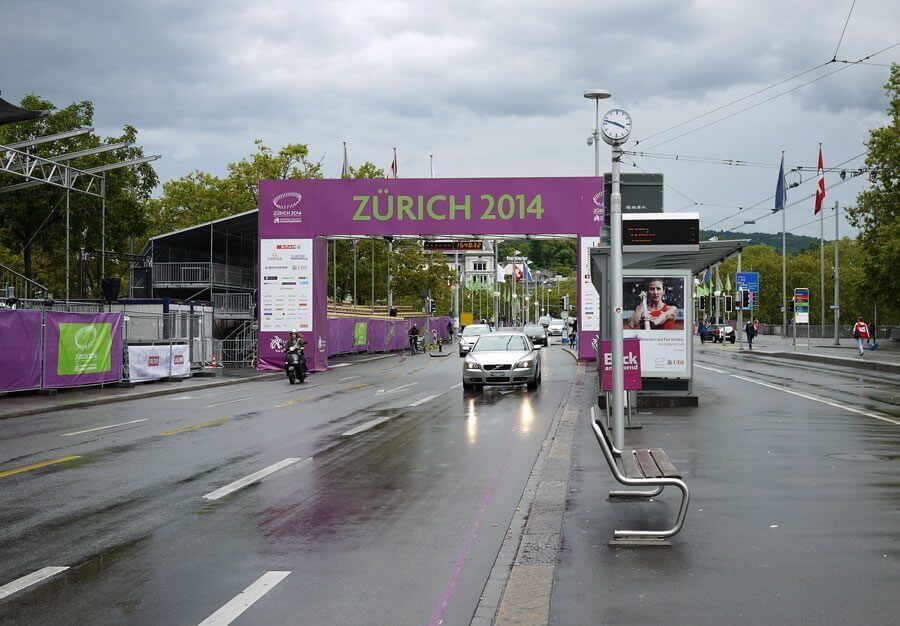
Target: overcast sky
{"points": [[491, 88]]}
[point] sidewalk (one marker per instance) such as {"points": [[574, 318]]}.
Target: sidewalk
{"points": [[885, 359], [32, 403]]}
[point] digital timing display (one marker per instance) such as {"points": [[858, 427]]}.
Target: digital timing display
{"points": [[657, 232], [454, 245]]}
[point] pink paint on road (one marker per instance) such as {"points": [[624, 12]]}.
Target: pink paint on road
{"points": [[438, 615]]}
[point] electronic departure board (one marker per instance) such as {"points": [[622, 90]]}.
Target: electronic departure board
{"points": [[454, 245], [661, 231]]}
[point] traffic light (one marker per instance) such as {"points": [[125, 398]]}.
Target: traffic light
{"points": [[729, 303], [745, 299], [704, 303]]}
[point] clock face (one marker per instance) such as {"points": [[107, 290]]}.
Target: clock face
{"points": [[616, 126]]}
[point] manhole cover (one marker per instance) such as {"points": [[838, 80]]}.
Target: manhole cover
{"points": [[857, 457]]}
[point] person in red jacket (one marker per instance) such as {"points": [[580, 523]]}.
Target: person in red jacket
{"points": [[860, 333]]}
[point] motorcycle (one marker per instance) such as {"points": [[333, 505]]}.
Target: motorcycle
{"points": [[295, 364]]}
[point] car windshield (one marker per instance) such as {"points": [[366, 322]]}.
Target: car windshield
{"points": [[534, 328], [556, 322], [499, 343], [475, 329]]}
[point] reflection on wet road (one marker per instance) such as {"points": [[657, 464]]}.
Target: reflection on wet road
{"points": [[178, 507]]}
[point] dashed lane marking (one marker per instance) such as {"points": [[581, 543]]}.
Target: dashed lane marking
{"points": [[215, 404], [345, 379], [215, 422], [819, 400], [368, 425], [292, 402], [31, 579], [456, 386], [245, 599], [252, 478], [337, 365], [711, 369], [34, 466], [93, 430], [396, 389], [424, 400]]}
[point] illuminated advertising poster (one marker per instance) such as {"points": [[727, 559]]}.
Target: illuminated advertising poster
{"points": [[654, 311], [286, 292], [590, 300]]}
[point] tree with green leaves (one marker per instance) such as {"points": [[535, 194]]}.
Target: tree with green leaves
{"points": [[32, 220], [877, 211]]}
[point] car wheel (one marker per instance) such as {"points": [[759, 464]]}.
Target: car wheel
{"points": [[532, 385], [468, 386]]}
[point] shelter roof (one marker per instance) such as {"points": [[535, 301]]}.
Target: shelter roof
{"points": [[10, 113], [709, 254]]}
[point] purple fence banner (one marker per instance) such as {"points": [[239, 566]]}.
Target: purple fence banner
{"points": [[20, 336], [82, 348]]}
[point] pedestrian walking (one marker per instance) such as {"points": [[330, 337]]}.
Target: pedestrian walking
{"points": [[861, 334], [702, 330], [413, 335], [873, 339], [450, 331], [750, 331]]}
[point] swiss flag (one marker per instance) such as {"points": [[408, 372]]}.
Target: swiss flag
{"points": [[820, 190]]}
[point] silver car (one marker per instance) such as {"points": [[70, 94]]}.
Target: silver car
{"points": [[556, 327], [470, 335], [506, 358]]}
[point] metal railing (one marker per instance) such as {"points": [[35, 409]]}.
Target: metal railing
{"points": [[177, 327], [203, 273], [16, 285], [234, 304]]}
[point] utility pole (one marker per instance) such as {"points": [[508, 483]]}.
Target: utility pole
{"points": [[822, 270], [390, 290], [456, 292], [837, 281], [740, 328], [496, 290]]}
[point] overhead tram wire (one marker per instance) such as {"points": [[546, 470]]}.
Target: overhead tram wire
{"points": [[771, 197], [844, 30], [761, 102], [721, 161], [725, 106], [693, 202]]}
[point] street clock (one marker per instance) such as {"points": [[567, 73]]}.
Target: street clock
{"points": [[616, 126]]}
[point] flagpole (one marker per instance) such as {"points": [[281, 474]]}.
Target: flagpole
{"points": [[783, 252], [821, 190], [837, 282]]}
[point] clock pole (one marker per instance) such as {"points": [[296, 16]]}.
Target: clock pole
{"points": [[615, 289]]}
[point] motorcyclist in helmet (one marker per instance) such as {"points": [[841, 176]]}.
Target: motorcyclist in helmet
{"points": [[296, 341]]}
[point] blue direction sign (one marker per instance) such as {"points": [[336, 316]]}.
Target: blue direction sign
{"points": [[748, 281]]}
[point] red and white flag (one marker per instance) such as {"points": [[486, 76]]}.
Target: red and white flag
{"points": [[393, 172], [820, 190]]}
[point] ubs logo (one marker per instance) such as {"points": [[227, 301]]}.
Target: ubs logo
{"points": [[287, 200]]}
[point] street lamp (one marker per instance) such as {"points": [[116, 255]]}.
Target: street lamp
{"points": [[594, 140]]}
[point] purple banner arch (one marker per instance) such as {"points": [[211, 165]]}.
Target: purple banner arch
{"points": [[294, 215]]}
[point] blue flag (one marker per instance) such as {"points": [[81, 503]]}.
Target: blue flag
{"points": [[779, 188]]}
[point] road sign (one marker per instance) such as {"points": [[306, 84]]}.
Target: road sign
{"points": [[748, 281], [801, 305]]}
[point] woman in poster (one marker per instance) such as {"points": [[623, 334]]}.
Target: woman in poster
{"points": [[653, 313]]}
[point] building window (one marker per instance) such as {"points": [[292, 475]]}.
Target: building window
{"points": [[479, 266]]}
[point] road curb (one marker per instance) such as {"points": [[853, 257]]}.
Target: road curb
{"points": [[878, 366], [81, 404], [520, 585]]}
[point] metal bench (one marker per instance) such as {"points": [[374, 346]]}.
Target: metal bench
{"points": [[641, 468]]}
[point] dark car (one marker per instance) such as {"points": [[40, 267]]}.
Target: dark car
{"points": [[721, 332], [536, 333]]}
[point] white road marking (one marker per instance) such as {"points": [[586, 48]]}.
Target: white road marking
{"points": [[820, 400], [456, 386], [368, 425], [91, 430], [245, 599], [711, 369], [26, 581], [375, 358], [249, 480], [337, 365], [395, 389], [346, 378], [424, 400], [215, 404]]}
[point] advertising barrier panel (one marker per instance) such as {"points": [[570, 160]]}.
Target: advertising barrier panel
{"points": [[155, 362], [20, 336], [82, 348]]}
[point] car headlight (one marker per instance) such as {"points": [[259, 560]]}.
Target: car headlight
{"points": [[526, 362], [472, 365]]}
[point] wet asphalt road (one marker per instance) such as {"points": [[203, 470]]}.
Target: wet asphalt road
{"points": [[794, 510], [386, 526]]}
